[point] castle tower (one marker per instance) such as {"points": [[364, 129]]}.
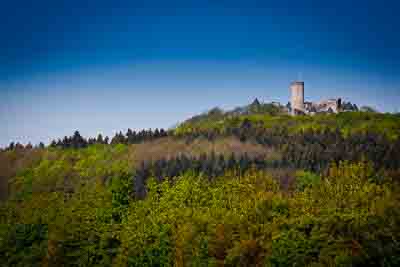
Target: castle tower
{"points": [[297, 96]]}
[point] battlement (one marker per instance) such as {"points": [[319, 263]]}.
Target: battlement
{"points": [[297, 83]]}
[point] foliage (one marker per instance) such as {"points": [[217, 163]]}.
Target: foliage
{"points": [[312, 142], [306, 179], [131, 137], [64, 170], [347, 123], [351, 218], [250, 187]]}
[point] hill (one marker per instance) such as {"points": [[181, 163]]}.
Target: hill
{"points": [[274, 118], [247, 187]]}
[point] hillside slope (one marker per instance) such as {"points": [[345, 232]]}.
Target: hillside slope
{"points": [[250, 187]]}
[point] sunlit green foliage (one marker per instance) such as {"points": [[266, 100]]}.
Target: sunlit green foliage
{"points": [[347, 217], [78, 231], [64, 170], [346, 220], [347, 122], [306, 179]]}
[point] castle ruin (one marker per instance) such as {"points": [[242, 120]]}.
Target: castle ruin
{"points": [[298, 106]]}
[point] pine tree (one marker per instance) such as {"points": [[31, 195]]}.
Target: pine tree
{"points": [[11, 146], [99, 139], [78, 141]]}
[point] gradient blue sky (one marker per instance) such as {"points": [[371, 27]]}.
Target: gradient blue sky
{"points": [[103, 66]]}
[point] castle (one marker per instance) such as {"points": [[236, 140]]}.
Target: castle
{"points": [[298, 106]]}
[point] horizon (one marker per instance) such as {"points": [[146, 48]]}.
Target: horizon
{"points": [[105, 67]]}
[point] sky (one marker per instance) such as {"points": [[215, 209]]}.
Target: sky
{"points": [[105, 66]]}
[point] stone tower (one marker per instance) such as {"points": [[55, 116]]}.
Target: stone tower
{"points": [[297, 96]]}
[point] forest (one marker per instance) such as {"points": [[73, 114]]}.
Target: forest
{"points": [[248, 187]]}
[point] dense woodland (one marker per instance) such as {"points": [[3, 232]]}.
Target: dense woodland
{"points": [[248, 187]]}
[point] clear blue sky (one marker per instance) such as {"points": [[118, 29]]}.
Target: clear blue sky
{"points": [[102, 66]]}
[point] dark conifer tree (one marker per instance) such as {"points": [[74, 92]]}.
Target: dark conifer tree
{"points": [[77, 141], [59, 143], [53, 143], [119, 138], [99, 139], [11, 146], [66, 143]]}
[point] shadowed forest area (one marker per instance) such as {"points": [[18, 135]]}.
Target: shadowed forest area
{"points": [[254, 188]]}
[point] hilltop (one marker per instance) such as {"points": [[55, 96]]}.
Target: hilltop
{"points": [[275, 117]]}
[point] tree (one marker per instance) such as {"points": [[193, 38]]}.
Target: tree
{"points": [[11, 146], [78, 141], [99, 139], [368, 109], [119, 138], [66, 142]]}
